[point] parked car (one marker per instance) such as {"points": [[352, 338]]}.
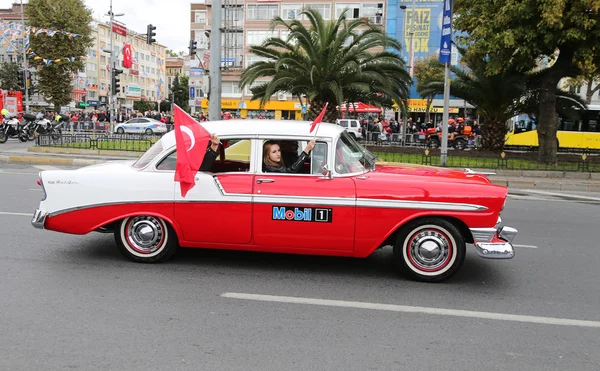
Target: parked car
{"points": [[141, 125], [352, 126], [341, 203]]}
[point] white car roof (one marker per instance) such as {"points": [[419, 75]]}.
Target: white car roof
{"points": [[261, 127]]}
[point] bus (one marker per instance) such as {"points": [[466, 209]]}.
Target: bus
{"points": [[581, 133]]}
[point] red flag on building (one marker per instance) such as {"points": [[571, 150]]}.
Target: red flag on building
{"points": [[127, 59], [191, 141], [319, 118]]}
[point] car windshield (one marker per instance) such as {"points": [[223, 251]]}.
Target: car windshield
{"points": [[150, 154], [351, 157]]}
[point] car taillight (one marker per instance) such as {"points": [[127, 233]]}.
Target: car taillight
{"points": [[359, 129]]}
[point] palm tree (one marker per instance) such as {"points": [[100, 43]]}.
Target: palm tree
{"points": [[329, 62]]}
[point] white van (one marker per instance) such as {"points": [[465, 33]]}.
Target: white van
{"points": [[352, 126]]}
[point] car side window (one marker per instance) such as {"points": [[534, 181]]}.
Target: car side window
{"points": [[134, 121], [344, 123], [289, 151], [234, 157]]}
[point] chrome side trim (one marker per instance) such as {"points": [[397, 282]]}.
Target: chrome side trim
{"points": [[39, 219], [219, 186], [419, 205], [483, 234], [303, 200]]}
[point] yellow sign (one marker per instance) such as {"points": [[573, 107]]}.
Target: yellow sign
{"points": [[234, 104], [420, 105], [422, 29]]}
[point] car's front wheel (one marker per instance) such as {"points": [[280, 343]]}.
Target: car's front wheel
{"points": [[120, 131], [146, 239], [430, 249]]}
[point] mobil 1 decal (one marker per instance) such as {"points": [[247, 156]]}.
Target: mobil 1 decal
{"points": [[302, 214]]}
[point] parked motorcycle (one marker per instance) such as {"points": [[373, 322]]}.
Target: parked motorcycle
{"points": [[11, 128]]}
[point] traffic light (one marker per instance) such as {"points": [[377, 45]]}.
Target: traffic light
{"points": [[192, 47], [150, 34], [116, 80]]}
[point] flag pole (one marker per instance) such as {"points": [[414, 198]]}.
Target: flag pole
{"points": [[319, 124]]}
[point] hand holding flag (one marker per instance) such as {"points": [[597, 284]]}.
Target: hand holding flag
{"points": [[318, 119], [191, 140]]}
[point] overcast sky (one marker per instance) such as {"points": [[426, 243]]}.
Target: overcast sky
{"points": [[171, 18]]}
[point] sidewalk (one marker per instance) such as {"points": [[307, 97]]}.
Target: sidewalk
{"points": [[513, 179]]}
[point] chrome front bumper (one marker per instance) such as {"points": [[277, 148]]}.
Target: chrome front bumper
{"points": [[494, 243], [39, 218]]}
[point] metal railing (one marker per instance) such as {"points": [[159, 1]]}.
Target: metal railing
{"points": [[117, 142], [523, 161]]}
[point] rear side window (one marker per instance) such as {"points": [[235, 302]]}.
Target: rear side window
{"points": [[354, 124], [150, 154]]}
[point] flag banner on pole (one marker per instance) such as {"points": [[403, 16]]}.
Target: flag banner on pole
{"points": [[446, 39], [318, 119], [191, 141], [127, 59]]}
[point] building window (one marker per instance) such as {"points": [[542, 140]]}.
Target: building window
{"points": [[291, 11], [323, 9], [231, 89], [251, 59], [257, 37], [353, 11], [374, 12], [232, 40], [102, 73], [200, 16], [91, 94], [90, 67], [261, 12], [102, 59]]}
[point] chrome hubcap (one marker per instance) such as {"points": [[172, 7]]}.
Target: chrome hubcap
{"points": [[145, 234], [429, 249]]}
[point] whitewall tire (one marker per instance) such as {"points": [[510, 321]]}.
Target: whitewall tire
{"points": [[430, 249], [146, 239]]}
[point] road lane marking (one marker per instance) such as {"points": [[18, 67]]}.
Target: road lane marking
{"points": [[561, 194], [17, 214], [18, 173], [412, 309], [526, 246]]}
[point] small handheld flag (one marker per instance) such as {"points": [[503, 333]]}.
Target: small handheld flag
{"points": [[318, 119]]}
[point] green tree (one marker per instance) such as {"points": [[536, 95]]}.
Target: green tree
{"points": [[165, 106], [171, 53], [499, 96], [10, 76], [181, 92], [524, 35], [328, 62], [69, 16], [143, 105], [426, 71]]}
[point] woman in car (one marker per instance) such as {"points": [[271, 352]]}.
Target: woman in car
{"points": [[273, 162]]}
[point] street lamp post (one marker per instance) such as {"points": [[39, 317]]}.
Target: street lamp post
{"points": [[411, 60]]}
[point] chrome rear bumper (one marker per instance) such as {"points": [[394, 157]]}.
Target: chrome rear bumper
{"points": [[494, 243], [39, 218]]}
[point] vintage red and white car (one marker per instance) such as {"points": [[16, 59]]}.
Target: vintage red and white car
{"points": [[340, 203]]}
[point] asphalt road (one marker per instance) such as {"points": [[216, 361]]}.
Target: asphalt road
{"points": [[73, 302]]}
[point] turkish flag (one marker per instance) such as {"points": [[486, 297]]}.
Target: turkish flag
{"points": [[319, 118], [191, 141], [127, 59]]}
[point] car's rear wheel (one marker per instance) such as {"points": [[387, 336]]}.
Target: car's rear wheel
{"points": [[430, 249], [120, 131], [146, 239], [149, 132], [433, 142]]}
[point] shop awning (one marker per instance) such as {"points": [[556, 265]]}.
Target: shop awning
{"points": [[360, 107]]}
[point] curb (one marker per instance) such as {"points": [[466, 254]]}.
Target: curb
{"points": [[38, 160], [566, 185]]}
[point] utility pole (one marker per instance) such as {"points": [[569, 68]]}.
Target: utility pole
{"points": [[214, 107], [112, 62], [25, 64], [411, 62]]}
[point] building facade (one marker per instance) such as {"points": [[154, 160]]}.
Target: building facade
{"points": [[175, 67], [146, 79], [247, 22]]}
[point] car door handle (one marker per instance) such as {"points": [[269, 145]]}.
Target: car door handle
{"points": [[260, 181]]}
